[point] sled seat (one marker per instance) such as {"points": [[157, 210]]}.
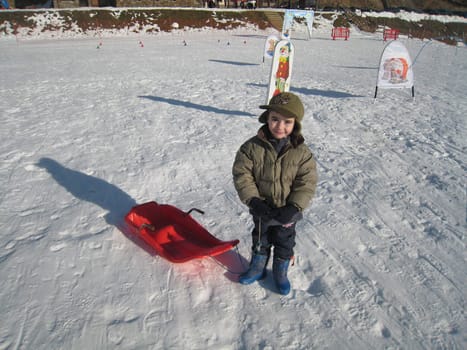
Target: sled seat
{"points": [[173, 233]]}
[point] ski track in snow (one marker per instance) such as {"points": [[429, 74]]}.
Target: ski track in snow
{"points": [[87, 133]]}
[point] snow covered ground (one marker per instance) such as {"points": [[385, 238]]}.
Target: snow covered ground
{"points": [[90, 127]]}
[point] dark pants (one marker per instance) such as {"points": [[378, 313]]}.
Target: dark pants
{"points": [[282, 238]]}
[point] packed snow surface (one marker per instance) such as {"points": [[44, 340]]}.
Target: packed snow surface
{"points": [[91, 127]]}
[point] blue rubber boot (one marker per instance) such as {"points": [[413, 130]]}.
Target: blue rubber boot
{"points": [[279, 272], [256, 270]]}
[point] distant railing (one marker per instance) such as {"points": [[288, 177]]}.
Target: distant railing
{"points": [[390, 34], [340, 32]]}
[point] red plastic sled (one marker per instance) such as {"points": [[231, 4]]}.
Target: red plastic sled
{"points": [[173, 233]]}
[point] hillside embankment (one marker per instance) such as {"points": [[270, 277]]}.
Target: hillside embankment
{"points": [[148, 20]]}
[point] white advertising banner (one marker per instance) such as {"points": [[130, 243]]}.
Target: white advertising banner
{"points": [[281, 69], [395, 68], [289, 18], [269, 46]]}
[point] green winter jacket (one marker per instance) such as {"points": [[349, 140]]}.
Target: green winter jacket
{"points": [[286, 178]]}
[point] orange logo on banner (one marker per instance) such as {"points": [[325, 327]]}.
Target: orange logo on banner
{"points": [[395, 70]]}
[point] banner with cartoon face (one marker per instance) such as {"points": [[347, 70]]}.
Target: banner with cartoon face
{"points": [[281, 69], [395, 68]]}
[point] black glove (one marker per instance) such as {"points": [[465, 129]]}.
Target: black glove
{"points": [[284, 214], [259, 207]]}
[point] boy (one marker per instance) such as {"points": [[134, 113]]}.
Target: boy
{"points": [[275, 175]]}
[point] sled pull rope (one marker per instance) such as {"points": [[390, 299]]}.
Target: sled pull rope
{"points": [[258, 245], [194, 209], [226, 268]]}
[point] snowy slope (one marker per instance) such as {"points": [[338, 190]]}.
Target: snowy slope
{"points": [[89, 130]]}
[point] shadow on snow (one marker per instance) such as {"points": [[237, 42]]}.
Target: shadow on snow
{"points": [[187, 104], [235, 63], [355, 67], [314, 92], [117, 203], [91, 189]]}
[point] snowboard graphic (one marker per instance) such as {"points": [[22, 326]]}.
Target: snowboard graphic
{"points": [[281, 69]]}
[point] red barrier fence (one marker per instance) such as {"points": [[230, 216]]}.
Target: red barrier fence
{"points": [[390, 34], [340, 32]]}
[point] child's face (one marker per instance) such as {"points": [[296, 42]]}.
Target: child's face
{"points": [[279, 125]]}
